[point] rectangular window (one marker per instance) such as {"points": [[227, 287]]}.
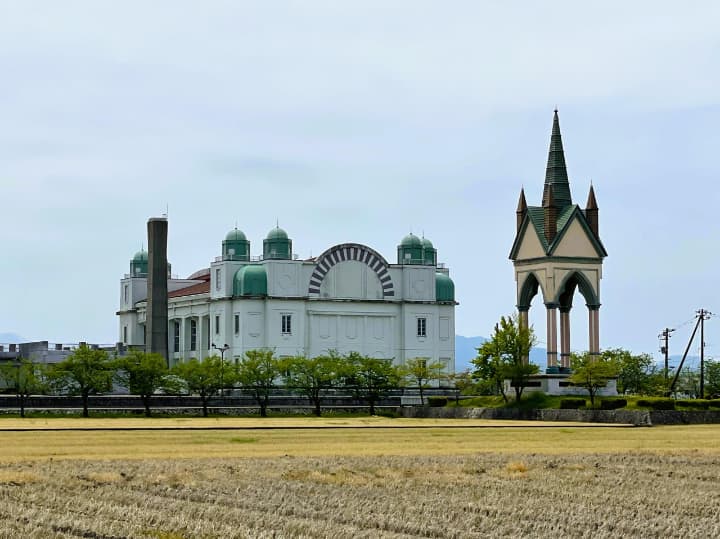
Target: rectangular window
{"points": [[124, 334], [126, 294], [176, 336], [193, 335], [422, 327], [237, 324], [217, 279], [217, 324], [286, 324]]}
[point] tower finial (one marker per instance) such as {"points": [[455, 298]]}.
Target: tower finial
{"points": [[556, 170]]}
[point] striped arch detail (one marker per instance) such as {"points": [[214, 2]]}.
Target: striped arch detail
{"points": [[351, 251]]}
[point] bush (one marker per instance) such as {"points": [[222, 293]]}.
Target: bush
{"points": [[714, 403], [612, 404], [657, 404], [572, 404], [437, 401], [698, 404]]}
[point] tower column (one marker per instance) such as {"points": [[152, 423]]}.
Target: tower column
{"points": [[524, 323], [551, 338], [594, 330], [565, 337]]}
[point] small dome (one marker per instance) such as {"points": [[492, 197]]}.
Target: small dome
{"points": [[411, 241], [427, 244], [140, 256], [235, 235], [250, 281], [444, 288], [277, 233]]}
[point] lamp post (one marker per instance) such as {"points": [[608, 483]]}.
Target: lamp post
{"points": [[224, 349]]}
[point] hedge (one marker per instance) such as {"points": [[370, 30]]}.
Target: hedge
{"points": [[437, 401], [613, 404], [657, 404], [571, 404]]}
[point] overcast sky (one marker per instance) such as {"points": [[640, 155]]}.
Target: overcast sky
{"points": [[357, 121]]}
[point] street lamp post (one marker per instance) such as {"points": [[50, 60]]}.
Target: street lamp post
{"points": [[224, 349]]}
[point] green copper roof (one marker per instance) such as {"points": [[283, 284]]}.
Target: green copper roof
{"points": [[444, 288], [556, 171], [411, 240], [427, 244], [536, 220], [140, 256], [277, 233], [235, 235], [250, 281]]}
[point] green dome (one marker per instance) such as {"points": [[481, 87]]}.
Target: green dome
{"points": [[250, 281], [427, 244], [277, 233], [277, 245], [140, 256], [235, 235], [411, 241], [444, 288]]}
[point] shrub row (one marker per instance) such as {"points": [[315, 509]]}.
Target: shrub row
{"points": [[657, 404], [572, 404], [613, 404], [437, 401]]}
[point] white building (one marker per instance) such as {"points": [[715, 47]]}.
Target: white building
{"points": [[347, 299]]}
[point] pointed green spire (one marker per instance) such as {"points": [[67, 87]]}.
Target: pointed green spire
{"points": [[556, 172]]}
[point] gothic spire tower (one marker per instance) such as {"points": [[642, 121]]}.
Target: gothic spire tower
{"points": [[557, 250]]}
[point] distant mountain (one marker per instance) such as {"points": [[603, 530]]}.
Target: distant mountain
{"points": [[466, 351], [11, 338]]}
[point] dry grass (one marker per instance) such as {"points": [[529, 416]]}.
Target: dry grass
{"points": [[487, 495], [454, 483]]}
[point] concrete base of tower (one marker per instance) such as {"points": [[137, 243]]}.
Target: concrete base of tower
{"points": [[558, 384]]}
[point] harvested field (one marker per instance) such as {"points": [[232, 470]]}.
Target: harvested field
{"points": [[571, 483]]}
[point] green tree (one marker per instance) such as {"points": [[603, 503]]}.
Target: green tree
{"points": [[313, 376], [205, 377], [638, 374], [592, 372], [85, 372], [464, 383], [258, 371], [371, 378], [24, 378], [503, 357], [712, 378], [420, 373], [144, 374]]}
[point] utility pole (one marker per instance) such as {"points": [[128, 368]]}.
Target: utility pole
{"points": [[665, 350], [703, 315]]}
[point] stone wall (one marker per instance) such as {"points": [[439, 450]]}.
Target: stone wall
{"points": [[626, 417]]}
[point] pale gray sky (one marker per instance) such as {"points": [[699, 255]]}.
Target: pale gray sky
{"points": [[356, 121]]}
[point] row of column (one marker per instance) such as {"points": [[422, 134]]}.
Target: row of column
{"points": [[552, 333], [183, 339]]}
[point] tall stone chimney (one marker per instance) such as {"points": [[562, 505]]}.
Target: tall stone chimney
{"points": [[156, 323]]}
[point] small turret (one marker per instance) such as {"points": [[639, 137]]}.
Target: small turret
{"points": [[551, 213], [521, 209], [591, 212], [235, 246]]}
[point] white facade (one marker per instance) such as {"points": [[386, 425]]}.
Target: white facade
{"points": [[347, 299]]}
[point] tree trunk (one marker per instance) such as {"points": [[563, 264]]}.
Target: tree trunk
{"points": [[85, 404], [21, 399], [204, 400], [146, 403], [422, 396], [316, 402], [372, 406]]}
